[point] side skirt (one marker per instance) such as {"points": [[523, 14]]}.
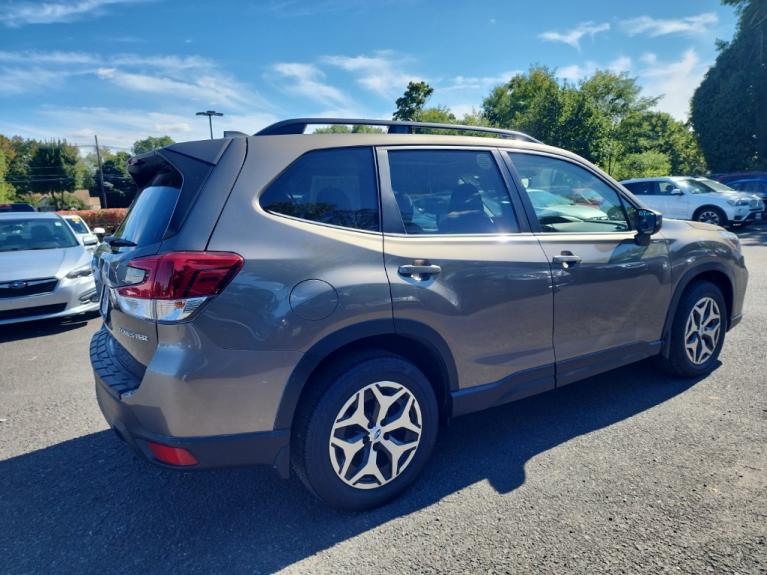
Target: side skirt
{"points": [[545, 378]]}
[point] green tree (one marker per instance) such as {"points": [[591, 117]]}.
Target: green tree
{"points": [[410, 104], [118, 184], [52, 170], [18, 154], [6, 189], [728, 108], [642, 165], [151, 143]]}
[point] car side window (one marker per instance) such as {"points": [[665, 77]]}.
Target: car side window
{"points": [[335, 186], [665, 188], [569, 198], [641, 188], [450, 192]]}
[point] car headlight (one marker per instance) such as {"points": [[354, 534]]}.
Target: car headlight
{"points": [[738, 202], [732, 238], [80, 272]]}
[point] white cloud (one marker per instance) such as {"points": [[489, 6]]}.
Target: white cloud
{"points": [[675, 81], [481, 83], [654, 27], [189, 78], [380, 73], [573, 37], [21, 13], [308, 82], [576, 72], [119, 128]]}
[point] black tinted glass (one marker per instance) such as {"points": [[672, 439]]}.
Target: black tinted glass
{"points": [[335, 187], [149, 215], [450, 192]]}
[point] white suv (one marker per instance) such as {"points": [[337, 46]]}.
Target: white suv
{"points": [[688, 199]]}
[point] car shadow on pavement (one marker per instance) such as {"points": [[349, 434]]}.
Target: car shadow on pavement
{"points": [[89, 505], [753, 235], [43, 327]]}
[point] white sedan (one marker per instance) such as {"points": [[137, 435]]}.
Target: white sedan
{"points": [[45, 272]]}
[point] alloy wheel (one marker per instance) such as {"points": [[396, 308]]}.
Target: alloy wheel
{"points": [[375, 435], [702, 331], [710, 217]]}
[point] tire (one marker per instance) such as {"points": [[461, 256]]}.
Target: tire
{"points": [[704, 348], [334, 400], [710, 215]]}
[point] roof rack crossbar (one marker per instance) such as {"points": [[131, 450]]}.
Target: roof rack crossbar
{"points": [[299, 125]]}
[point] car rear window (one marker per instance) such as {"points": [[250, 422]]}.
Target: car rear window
{"points": [[150, 213], [336, 186]]}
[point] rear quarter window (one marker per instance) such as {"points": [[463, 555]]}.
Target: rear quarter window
{"points": [[335, 186]]}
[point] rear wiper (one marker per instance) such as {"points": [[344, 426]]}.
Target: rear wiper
{"points": [[119, 242]]}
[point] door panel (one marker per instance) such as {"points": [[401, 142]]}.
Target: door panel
{"points": [[616, 295], [610, 294], [491, 301], [481, 284]]}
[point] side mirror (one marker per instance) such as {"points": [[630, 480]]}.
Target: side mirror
{"points": [[677, 192], [100, 233], [90, 241], [648, 223]]}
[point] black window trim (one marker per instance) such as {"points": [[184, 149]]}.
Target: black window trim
{"points": [[268, 185], [390, 212], [530, 211]]}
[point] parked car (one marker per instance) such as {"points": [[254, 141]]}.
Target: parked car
{"points": [[45, 272], [756, 186], [685, 198], [84, 234], [18, 207], [716, 186], [323, 303]]}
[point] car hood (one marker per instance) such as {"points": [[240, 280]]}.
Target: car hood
{"points": [[32, 264]]}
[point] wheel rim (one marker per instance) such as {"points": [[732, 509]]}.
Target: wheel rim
{"points": [[709, 217], [701, 334], [375, 435]]}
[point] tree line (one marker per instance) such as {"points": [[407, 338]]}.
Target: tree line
{"points": [[57, 168]]}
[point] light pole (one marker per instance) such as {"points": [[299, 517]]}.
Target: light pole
{"points": [[210, 114]]}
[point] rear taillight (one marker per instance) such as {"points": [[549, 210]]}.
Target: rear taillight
{"points": [[170, 287]]}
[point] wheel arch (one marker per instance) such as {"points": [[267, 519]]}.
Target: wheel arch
{"points": [[715, 273], [719, 209], [412, 340]]}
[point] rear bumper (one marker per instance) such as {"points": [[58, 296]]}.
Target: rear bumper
{"points": [[143, 406], [261, 448]]}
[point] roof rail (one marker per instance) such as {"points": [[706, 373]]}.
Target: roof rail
{"points": [[298, 126]]}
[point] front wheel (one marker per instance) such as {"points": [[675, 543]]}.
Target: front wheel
{"points": [[697, 333], [711, 215], [365, 431]]}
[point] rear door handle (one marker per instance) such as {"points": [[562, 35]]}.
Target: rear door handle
{"points": [[419, 272], [566, 259]]}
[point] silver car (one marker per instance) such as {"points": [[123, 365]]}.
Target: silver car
{"points": [[86, 236], [45, 272]]}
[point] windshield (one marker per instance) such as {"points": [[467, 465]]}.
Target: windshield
{"points": [[541, 199], [35, 234], [716, 186], [693, 187], [77, 225]]}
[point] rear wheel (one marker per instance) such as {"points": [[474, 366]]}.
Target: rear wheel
{"points": [[365, 430], [711, 215], [697, 334]]}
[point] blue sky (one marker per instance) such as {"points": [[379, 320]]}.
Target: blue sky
{"points": [[124, 69]]}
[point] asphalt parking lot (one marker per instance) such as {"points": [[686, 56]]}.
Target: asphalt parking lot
{"points": [[627, 472]]}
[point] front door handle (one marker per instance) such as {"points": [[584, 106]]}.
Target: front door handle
{"points": [[419, 271], [566, 259]]}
